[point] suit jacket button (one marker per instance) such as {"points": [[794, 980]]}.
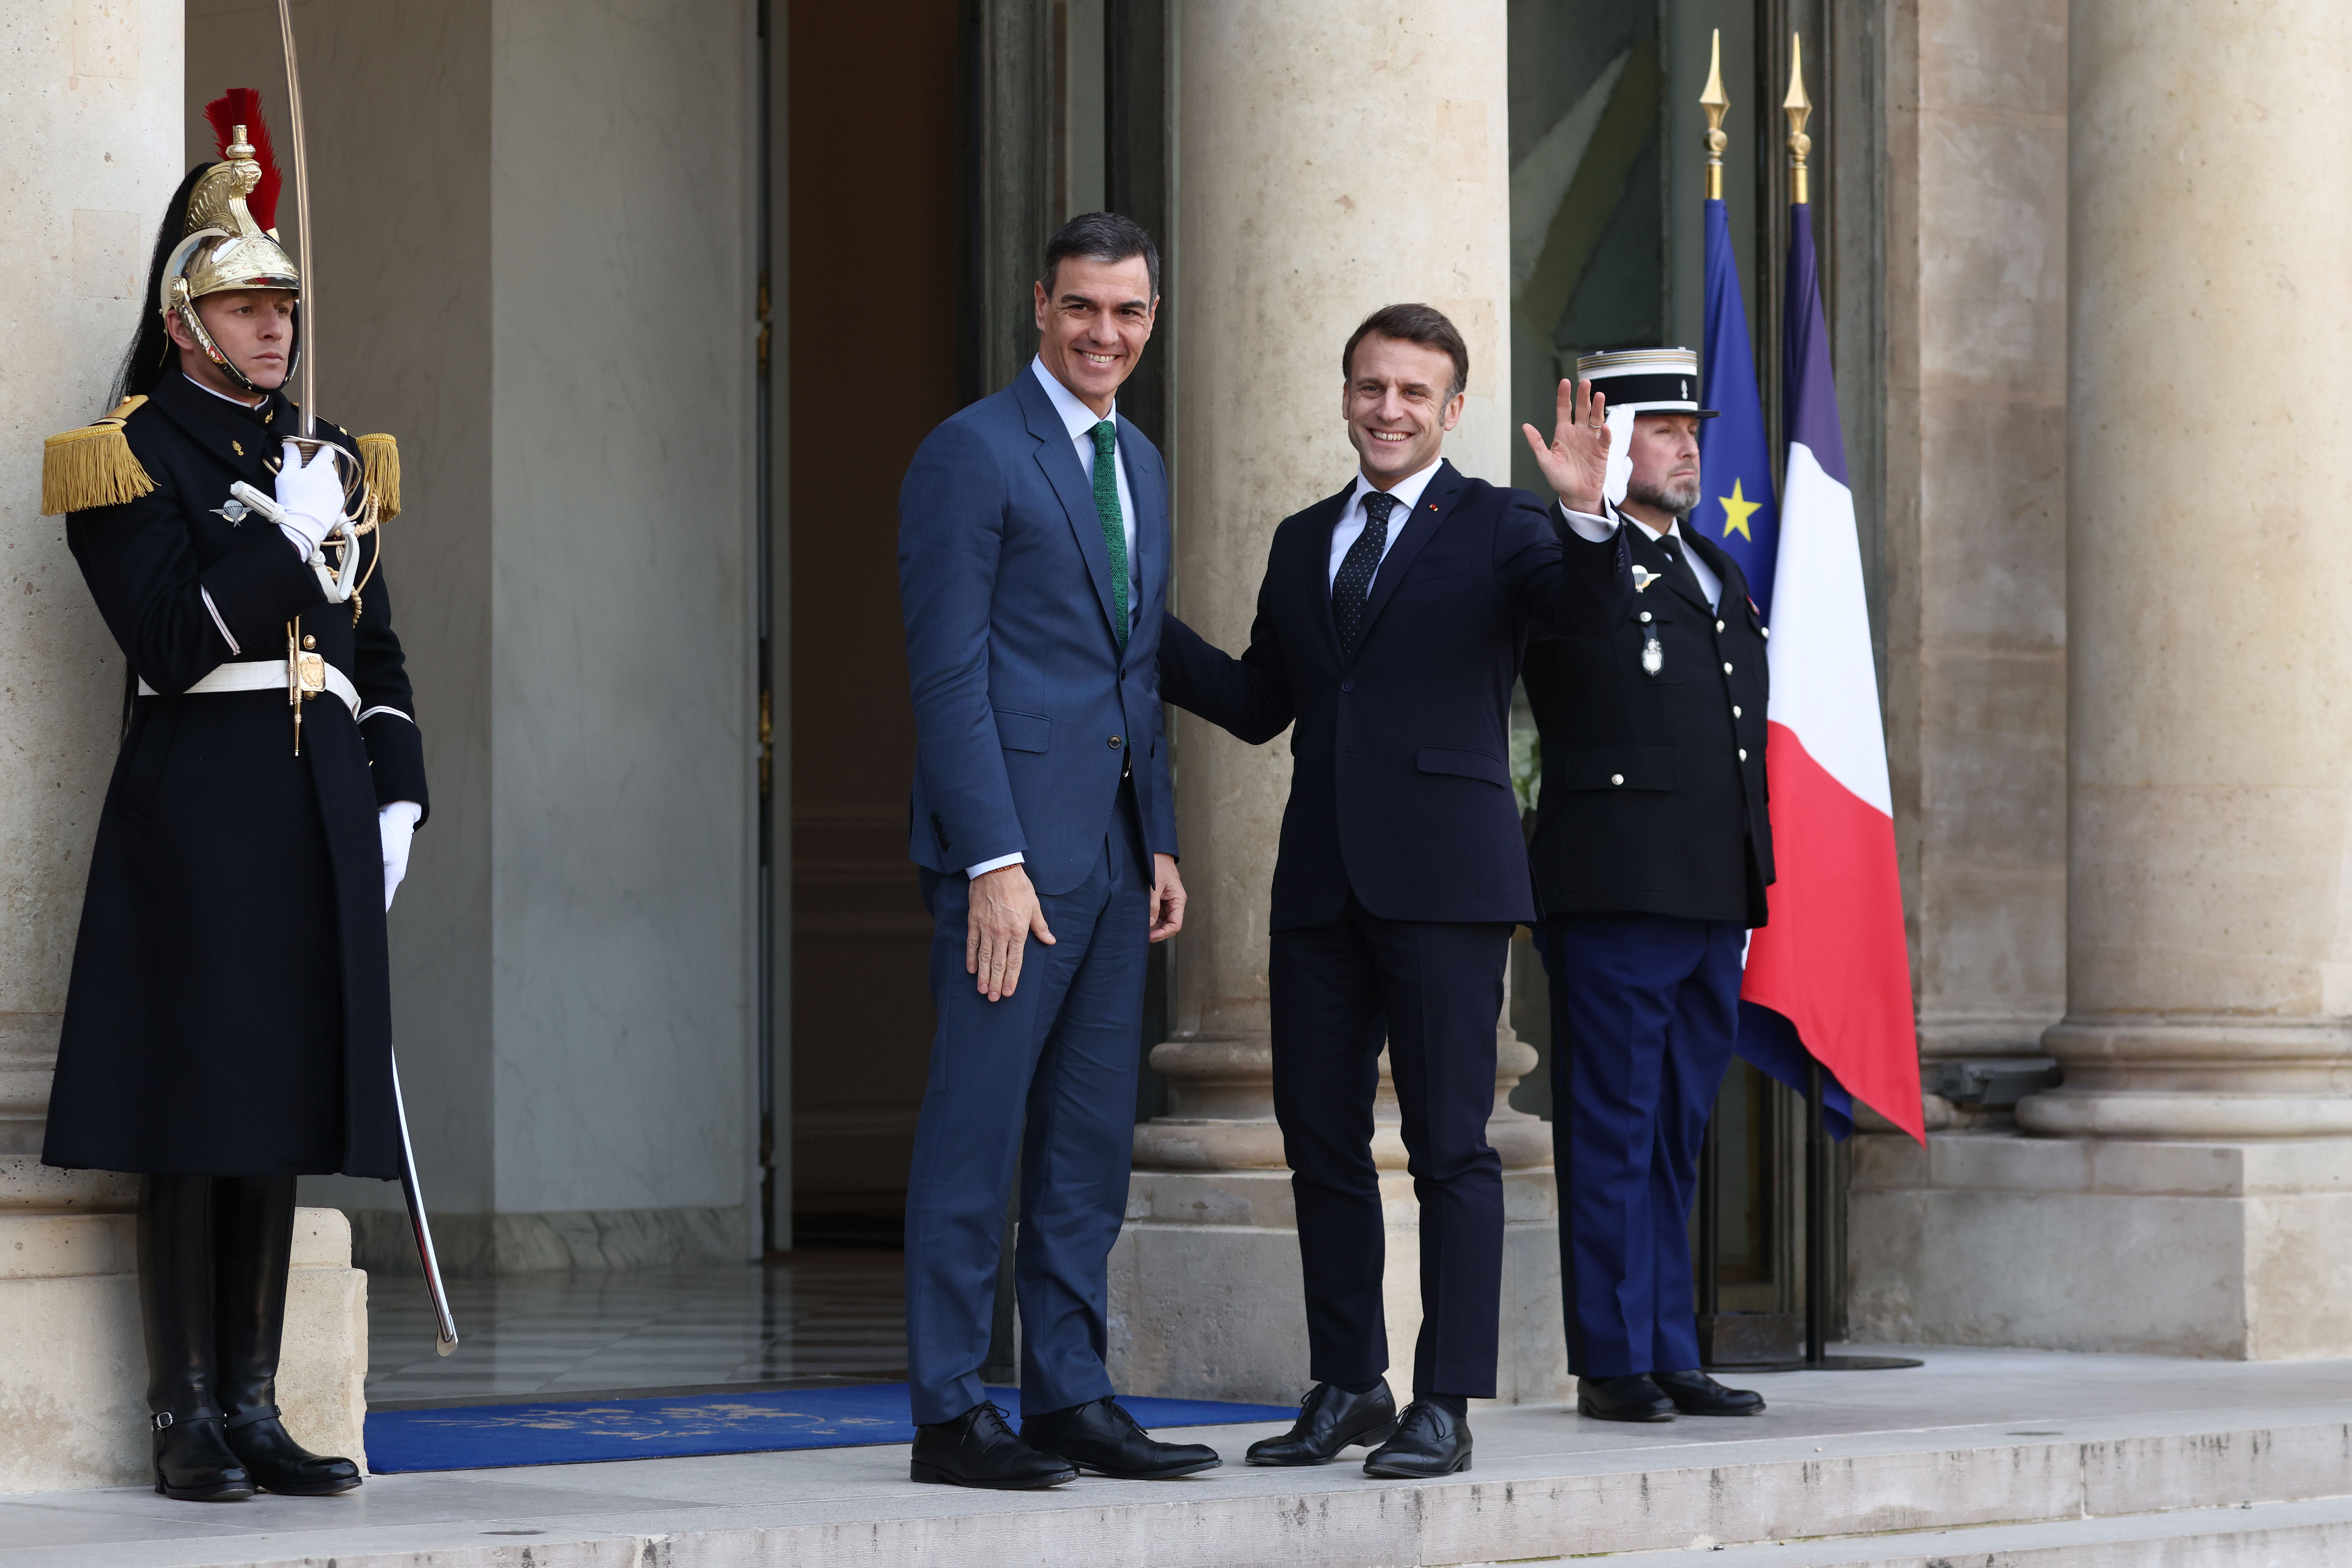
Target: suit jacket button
{"points": [[1734, 709], [1726, 667], [1116, 743], [1616, 778], [1718, 626], [1645, 617], [1347, 686], [1743, 754]]}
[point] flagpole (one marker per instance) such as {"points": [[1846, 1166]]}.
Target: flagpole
{"points": [[1710, 1148]]}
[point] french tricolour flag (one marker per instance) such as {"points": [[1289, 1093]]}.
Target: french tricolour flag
{"points": [[1831, 962]]}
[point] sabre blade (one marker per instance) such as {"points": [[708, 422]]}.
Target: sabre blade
{"points": [[307, 322], [444, 1326]]}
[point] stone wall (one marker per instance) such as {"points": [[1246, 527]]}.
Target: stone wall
{"points": [[534, 238]]}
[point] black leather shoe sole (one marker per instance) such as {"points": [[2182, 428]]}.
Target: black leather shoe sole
{"points": [[1370, 1437], [314, 1488], [1415, 1472], [1584, 1407], [918, 1471], [1755, 1409], [230, 1491], [1187, 1468]]}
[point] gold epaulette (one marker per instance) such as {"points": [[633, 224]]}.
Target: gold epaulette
{"points": [[379, 464], [92, 467]]}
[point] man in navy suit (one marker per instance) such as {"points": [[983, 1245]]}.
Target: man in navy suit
{"points": [[1389, 632], [1032, 567]]}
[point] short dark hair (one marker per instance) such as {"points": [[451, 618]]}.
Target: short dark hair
{"points": [[1422, 324], [1100, 236]]}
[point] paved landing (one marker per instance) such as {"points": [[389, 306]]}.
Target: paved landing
{"points": [[2144, 1460], [836, 1316]]}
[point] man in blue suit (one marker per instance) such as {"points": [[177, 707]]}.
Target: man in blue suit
{"points": [[1033, 571], [1389, 632]]}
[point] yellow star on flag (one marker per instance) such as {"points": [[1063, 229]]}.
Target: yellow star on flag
{"points": [[1736, 508]]}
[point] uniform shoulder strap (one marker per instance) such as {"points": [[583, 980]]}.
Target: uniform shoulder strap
{"points": [[92, 467]]}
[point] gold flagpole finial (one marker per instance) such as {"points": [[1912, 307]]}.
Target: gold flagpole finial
{"points": [[1798, 107], [1717, 105]]}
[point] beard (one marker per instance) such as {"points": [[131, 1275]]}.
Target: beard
{"points": [[1678, 497]]}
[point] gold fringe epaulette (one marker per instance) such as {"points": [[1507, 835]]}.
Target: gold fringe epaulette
{"points": [[380, 463], [92, 467]]}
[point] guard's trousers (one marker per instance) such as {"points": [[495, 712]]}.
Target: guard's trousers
{"points": [[1645, 1012], [1434, 991], [1047, 1072]]}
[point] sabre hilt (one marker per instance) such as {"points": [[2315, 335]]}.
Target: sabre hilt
{"points": [[340, 581]]}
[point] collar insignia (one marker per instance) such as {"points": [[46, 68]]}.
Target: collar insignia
{"points": [[237, 447]]}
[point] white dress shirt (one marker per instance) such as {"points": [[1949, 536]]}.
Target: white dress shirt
{"points": [[1600, 529], [1080, 421], [1353, 518]]}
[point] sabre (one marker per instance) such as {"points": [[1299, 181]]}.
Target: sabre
{"points": [[444, 1326], [306, 355], [340, 588], [301, 219]]}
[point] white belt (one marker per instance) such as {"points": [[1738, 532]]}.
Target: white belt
{"points": [[262, 675]]}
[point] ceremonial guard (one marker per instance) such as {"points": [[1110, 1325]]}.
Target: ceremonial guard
{"points": [[1651, 853], [228, 1024]]}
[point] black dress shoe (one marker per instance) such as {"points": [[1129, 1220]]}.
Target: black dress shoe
{"points": [[1329, 1420], [1101, 1437], [1631, 1398], [1429, 1441], [279, 1464], [1696, 1394], [193, 1462], [978, 1449]]}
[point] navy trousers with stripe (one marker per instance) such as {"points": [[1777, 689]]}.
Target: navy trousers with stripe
{"points": [[1645, 1012]]}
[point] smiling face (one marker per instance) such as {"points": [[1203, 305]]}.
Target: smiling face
{"points": [[1399, 403], [1665, 451], [255, 327], [1092, 330]]}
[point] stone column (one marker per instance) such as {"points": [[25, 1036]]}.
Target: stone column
{"points": [[94, 116], [2200, 1134], [1331, 162]]}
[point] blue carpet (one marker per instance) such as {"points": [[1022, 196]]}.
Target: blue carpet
{"points": [[581, 1432]]}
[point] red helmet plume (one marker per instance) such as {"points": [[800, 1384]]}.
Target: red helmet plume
{"points": [[242, 106]]}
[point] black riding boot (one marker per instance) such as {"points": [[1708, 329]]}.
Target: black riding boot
{"points": [[193, 1461], [253, 1219]]}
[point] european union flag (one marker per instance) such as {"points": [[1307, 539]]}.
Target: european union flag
{"points": [[1736, 508]]}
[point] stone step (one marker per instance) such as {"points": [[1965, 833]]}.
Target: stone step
{"points": [[2315, 1533], [2167, 1487]]}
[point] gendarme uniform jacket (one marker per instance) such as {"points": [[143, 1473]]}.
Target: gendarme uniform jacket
{"points": [[1654, 796], [229, 1012]]}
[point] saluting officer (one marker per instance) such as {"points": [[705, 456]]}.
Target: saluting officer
{"points": [[1651, 853], [228, 1023]]}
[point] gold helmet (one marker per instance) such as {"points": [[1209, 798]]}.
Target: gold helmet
{"points": [[229, 242]]}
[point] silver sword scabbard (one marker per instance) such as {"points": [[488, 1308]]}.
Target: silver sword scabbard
{"points": [[444, 1326]]}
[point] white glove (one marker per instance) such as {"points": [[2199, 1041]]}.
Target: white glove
{"points": [[311, 497], [397, 824]]}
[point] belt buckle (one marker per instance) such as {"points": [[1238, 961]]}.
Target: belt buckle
{"points": [[310, 673]]}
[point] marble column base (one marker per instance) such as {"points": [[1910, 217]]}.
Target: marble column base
{"points": [[73, 1362], [2223, 1249], [485, 1244], [1205, 1288]]}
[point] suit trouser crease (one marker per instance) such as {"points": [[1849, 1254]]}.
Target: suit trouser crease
{"points": [[1434, 991], [1645, 1021], [1048, 1071]]}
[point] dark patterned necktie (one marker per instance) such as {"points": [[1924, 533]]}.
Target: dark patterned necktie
{"points": [[1354, 582], [1113, 522]]}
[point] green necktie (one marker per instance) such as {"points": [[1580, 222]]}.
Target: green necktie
{"points": [[1113, 522]]}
